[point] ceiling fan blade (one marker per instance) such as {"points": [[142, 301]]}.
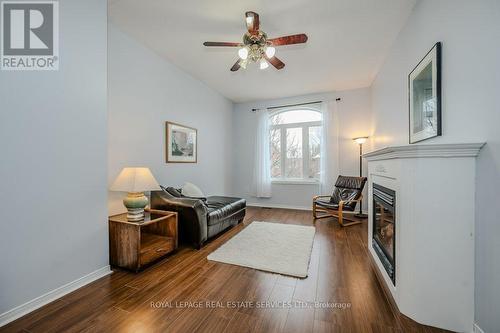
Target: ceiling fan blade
{"points": [[236, 66], [288, 40], [252, 19], [230, 44], [275, 62]]}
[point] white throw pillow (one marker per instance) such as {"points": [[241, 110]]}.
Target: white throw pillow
{"points": [[191, 190]]}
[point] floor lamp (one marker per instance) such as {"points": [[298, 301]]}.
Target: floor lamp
{"points": [[360, 140]]}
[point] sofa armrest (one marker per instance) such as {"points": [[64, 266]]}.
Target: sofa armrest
{"points": [[192, 215]]}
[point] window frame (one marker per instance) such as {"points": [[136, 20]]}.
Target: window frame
{"points": [[304, 126]]}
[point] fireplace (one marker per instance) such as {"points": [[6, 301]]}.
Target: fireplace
{"points": [[384, 228]]}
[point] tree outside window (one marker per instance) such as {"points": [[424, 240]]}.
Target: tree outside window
{"points": [[295, 137]]}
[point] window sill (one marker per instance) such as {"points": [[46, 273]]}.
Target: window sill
{"points": [[294, 182]]}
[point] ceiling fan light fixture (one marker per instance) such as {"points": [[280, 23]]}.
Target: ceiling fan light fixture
{"points": [[243, 53], [257, 47], [270, 51], [263, 64]]}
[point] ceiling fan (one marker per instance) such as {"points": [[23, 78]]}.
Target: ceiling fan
{"points": [[257, 47]]}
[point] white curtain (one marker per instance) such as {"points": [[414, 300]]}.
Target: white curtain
{"points": [[329, 164], [262, 157]]}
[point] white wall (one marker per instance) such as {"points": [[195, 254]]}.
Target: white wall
{"points": [[470, 31], [354, 116], [53, 228], [144, 92]]}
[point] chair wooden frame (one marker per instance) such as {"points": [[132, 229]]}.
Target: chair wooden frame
{"points": [[338, 213]]}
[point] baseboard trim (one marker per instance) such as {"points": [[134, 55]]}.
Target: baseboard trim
{"points": [[255, 204], [44, 299], [251, 204], [477, 329]]}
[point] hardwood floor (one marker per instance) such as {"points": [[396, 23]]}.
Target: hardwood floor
{"points": [[171, 296]]}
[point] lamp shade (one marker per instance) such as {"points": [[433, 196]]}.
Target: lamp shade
{"points": [[361, 140], [135, 180]]}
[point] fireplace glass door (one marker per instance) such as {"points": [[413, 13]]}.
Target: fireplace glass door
{"points": [[384, 227]]}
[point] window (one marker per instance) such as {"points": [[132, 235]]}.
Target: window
{"points": [[295, 137]]}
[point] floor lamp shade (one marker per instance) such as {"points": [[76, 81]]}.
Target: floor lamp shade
{"points": [[135, 181], [361, 140]]}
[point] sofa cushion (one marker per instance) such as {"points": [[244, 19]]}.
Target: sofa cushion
{"points": [[177, 193], [191, 190], [220, 208], [172, 191]]}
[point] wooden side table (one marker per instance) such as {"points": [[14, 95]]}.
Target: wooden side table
{"points": [[132, 245]]}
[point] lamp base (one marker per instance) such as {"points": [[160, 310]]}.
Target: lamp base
{"points": [[135, 202], [135, 214]]}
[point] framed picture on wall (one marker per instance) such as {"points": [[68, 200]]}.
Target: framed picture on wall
{"points": [[181, 143], [424, 96]]}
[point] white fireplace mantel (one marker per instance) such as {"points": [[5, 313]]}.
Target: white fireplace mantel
{"points": [[420, 151], [435, 202]]}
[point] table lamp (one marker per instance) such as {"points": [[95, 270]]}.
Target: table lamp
{"points": [[360, 140], [135, 181]]}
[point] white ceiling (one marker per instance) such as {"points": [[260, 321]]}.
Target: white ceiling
{"points": [[348, 40]]}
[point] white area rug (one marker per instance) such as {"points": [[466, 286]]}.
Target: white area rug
{"points": [[273, 247]]}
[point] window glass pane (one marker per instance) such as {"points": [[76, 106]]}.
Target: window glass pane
{"points": [[293, 161], [295, 116], [314, 151], [275, 141]]}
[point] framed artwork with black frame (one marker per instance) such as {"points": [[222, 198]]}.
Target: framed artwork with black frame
{"points": [[424, 97]]}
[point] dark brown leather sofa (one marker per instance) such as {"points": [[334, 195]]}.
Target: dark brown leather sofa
{"points": [[200, 218]]}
